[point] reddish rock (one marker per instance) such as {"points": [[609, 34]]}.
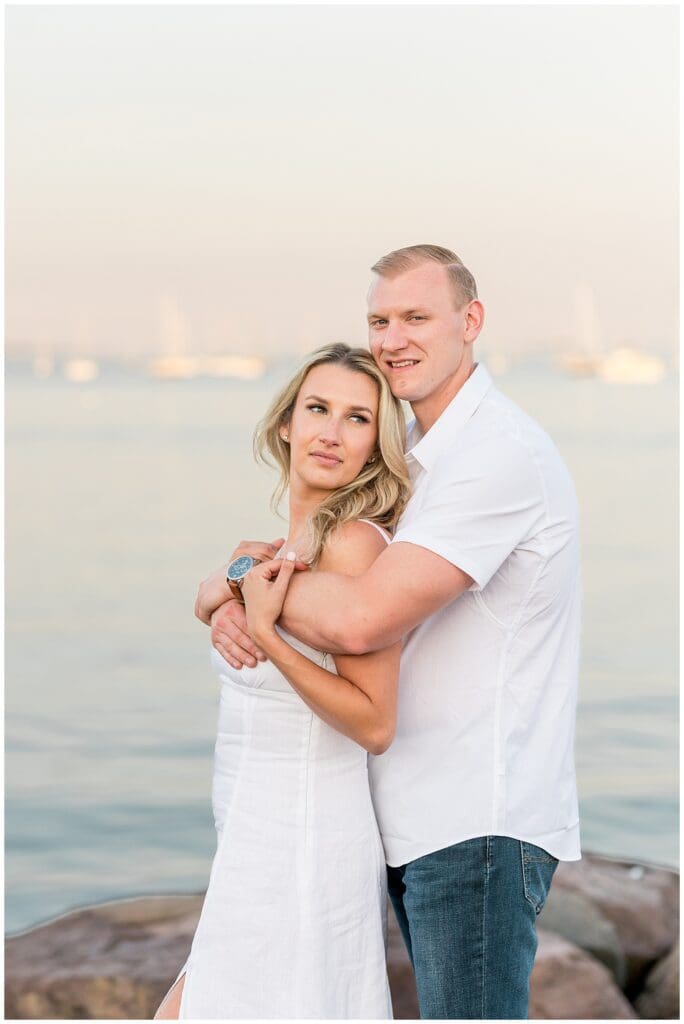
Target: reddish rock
{"points": [[641, 901], [117, 960], [569, 984], [579, 920], [113, 961], [659, 999], [401, 977]]}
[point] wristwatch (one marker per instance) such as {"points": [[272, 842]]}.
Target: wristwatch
{"points": [[237, 570]]}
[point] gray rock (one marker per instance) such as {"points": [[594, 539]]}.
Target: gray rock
{"points": [[577, 919], [569, 984], [659, 999], [640, 900]]}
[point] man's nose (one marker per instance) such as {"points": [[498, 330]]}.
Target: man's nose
{"points": [[394, 338]]}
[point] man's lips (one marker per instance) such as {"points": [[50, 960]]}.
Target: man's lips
{"points": [[402, 364], [326, 458]]}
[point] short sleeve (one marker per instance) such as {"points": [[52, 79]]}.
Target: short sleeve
{"points": [[477, 507]]}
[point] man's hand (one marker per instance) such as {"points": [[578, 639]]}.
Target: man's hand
{"points": [[230, 637], [214, 591]]}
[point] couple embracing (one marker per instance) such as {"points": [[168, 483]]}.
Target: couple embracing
{"points": [[423, 610]]}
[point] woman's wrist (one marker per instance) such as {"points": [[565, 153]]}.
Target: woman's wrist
{"points": [[267, 638]]}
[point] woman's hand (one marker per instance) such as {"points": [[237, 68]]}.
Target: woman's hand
{"points": [[264, 589], [214, 591]]}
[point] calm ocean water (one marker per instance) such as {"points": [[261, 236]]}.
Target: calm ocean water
{"points": [[123, 493]]}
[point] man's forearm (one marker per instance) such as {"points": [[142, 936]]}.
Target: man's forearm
{"points": [[328, 611], [212, 593], [358, 614]]}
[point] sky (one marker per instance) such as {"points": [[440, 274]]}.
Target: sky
{"points": [[219, 179]]}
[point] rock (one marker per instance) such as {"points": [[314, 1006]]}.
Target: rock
{"points": [[111, 961], [569, 984], [659, 999], [577, 919], [641, 901], [117, 960], [401, 977]]}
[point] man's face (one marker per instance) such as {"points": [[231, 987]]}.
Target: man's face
{"points": [[416, 334]]}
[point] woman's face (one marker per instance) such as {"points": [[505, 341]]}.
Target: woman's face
{"points": [[333, 429]]}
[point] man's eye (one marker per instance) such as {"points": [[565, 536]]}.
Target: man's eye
{"points": [[378, 323], [416, 317]]}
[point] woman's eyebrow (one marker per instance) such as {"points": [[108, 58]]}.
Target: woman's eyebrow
{"points": [[324, 401]]}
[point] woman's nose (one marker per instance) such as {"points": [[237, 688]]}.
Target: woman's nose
{"points": [[330, 433]]}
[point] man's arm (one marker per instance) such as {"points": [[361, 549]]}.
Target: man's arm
{"points": [[357, 614], [478, 508]]}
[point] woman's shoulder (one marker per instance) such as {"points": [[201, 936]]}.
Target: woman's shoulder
{"points": [[382, 530], [352, 547]]}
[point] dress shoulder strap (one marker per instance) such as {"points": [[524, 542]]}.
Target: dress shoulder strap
{"points": [[379, 528]]}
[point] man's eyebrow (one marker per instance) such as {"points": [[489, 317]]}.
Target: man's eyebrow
{"points": [[324, 401], [404, 312]]}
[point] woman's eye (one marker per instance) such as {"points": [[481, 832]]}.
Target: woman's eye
{"points": [[360, 419], [316, 408]]}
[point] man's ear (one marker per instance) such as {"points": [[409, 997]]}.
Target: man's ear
{"points": [[474, 315]]}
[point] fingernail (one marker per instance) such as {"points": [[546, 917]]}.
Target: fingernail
{"points": [[291, 556]]}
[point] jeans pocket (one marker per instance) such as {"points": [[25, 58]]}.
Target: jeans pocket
{"points": [[538, 867]]}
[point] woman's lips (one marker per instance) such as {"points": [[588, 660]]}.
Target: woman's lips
{"points": [[326, 459]]}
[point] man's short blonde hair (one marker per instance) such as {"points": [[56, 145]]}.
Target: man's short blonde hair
{"points": [[397, 262]]}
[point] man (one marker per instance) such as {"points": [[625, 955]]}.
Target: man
{"points": [[476, 797]]}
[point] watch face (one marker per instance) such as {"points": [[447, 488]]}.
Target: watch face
{"points": [[239, 567]]}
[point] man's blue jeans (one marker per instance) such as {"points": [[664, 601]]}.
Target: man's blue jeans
{"points": [[467, 914]]}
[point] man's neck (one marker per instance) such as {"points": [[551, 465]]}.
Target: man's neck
{"points": [[428, 410]]}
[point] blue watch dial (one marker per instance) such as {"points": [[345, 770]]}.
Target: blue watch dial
{"points": [[239, 567]]}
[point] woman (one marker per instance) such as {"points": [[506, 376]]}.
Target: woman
{"points": [[293, 920]]}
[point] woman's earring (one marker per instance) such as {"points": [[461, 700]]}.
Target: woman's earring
{"points": [[371, 460], [285, 437]]}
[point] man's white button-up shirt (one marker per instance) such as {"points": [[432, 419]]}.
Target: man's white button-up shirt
{"points": [[488, 685]]}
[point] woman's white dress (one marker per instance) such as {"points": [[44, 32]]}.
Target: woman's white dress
{"points": [[293, 923]]}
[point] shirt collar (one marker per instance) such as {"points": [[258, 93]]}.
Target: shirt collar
{"points": [[425, 449]]}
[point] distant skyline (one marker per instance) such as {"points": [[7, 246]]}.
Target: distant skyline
{"points": [[220, 178]]}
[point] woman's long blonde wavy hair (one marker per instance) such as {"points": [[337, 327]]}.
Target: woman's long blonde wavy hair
{"points": [[382, 488]]}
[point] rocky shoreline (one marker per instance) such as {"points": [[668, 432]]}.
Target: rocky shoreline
{"points": [[608, 950]]}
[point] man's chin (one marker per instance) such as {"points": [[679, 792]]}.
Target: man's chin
{"points": [[405, 390]]}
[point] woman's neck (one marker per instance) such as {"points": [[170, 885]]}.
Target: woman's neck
{"points": [[301, 508]]}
